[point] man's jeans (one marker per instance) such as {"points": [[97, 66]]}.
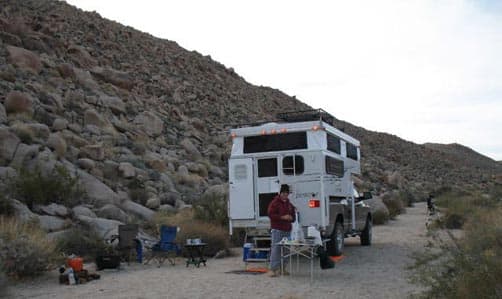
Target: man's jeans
{"points": [[275, 254]]}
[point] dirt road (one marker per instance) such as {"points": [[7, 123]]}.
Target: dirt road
{"points": [[378, 271]]}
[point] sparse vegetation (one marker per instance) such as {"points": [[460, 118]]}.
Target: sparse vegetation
{"points": [[33, 187], [82, 242], [213, 209], [25, 250], [6, 207], [469, 267], [394, 204], [380, 217], [214, 235]]}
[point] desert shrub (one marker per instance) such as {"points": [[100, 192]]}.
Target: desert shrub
{"points": [[380, 217], [212, 208], [3, 283], [82, 242], [137, 191], [214, 235], [6, 206], [408, 197], [33, 187], [394, 204], [25, 251], [467, 268], [25, 134]]}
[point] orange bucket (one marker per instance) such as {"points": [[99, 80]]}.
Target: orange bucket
{"points": [[77, 263]]}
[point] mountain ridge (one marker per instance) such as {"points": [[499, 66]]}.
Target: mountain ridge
{"points": [[130, 110]]}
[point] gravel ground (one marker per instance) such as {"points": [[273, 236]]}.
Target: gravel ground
{"points": [[378, 271]]}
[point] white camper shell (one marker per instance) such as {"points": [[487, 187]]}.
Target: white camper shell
{"points": [[315, 159]]}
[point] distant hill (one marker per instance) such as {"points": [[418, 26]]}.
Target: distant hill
{"points": [[125, 109]]}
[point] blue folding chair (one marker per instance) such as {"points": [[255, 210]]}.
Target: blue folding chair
{"points": [[166, 248]]}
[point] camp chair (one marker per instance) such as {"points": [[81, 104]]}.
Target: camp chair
{"points": [[165, 248], [127, 239]]}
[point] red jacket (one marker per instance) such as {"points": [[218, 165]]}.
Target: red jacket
{"points": [[278, 208]]}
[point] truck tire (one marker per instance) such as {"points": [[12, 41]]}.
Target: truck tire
{"points": [[366, 234], [335, 245]]}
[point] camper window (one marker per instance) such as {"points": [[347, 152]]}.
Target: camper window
{"points": [[351, 151], [334, 166], [276, 142], [333, 144], [267, 167], [292, 166]]}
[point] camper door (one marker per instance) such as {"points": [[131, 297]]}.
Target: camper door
{"points": [[267, 183], [241, 193]]}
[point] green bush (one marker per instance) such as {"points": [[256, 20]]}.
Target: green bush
{"points": [[25, 250], [33, 187], [83, 242], [467, 268], [213, 209]]}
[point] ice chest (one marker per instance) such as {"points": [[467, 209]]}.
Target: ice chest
{"points": [[76, 263]]}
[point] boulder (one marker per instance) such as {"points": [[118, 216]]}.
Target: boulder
{"points": [[7, 173], [57, 143], [86, 164], [97, 193], [153, 203], [51, 223], [117, 78], [167, 208], [39, 130], [137, 209], [85, 79], [92, 117], [59, 124], [219, 191], [52, 209], [81, 57], [115, 104], [18, 102], [24, 59], [83, 211], [66, 70], [3, 114], [22, 212], [110, 211], [95, 152], [8, 145], [126, 170], [150, 123], [24, 154], [191, 149], [103, 227], [216, 171]]}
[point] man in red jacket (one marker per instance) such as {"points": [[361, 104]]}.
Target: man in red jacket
{"points": [[281, 213]]}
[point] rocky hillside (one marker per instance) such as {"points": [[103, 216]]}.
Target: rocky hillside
{"points": [[143, 123]]}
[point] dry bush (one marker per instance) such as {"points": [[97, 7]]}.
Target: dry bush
{"points": [[394, 204], [214, 235], [25, 249], [212, 208], [82, 242], [380, 217], [467, 268]]}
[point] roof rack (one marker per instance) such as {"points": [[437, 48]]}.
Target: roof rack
{"points": [[307, 115]]}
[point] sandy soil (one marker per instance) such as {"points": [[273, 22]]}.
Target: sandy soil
{"points": [[378, 271]]}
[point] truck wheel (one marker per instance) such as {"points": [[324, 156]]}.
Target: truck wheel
{"points": [[366, 234], [335, 246]]}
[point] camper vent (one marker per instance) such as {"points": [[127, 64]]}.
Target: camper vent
{"points": [[307, 115]]}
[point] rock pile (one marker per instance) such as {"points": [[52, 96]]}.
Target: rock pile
{"points": [[142, 123]]}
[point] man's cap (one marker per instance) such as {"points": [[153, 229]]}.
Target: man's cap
{"points": [[284, 188]]}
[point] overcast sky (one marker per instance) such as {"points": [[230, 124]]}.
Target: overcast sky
{"points": [[426, 71]]}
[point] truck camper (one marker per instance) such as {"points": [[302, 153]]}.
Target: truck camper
{"points": [[304, 150]]}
